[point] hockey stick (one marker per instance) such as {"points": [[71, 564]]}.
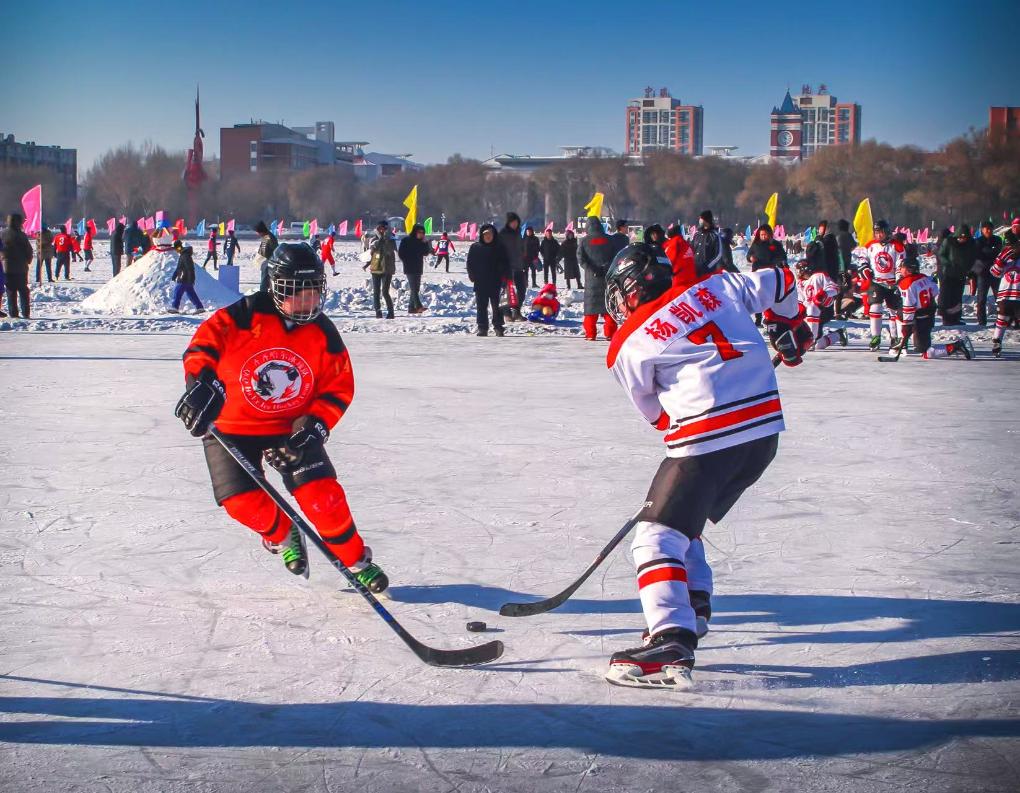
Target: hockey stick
{"points": [[542, 606], [470, 656], [896, 353]]}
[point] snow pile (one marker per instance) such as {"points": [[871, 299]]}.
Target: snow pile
{"points": [[146, 287]]}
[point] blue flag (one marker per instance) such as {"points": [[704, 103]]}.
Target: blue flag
{"points": [[747, 231], [80, 228], [200, 228], [331, 229]]}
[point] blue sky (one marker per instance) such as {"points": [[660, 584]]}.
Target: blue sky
{"points": [[522, 77]]}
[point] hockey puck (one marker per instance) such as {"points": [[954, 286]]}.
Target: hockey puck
{"points": [[476, 627]]}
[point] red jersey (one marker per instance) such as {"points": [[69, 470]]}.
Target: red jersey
{"points": [[86, 244], [62, 243], [273, 374], [326, 251]]}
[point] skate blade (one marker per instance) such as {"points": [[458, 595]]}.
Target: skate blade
{"points": [[672, 677]]}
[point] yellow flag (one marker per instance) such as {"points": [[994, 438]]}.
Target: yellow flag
{"points": [[594, 207], [411, 202], [223, 229], [772, 209], [863, 224]]}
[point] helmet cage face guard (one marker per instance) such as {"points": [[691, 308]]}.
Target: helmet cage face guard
{"points": [[623, 294], [289, 284]]}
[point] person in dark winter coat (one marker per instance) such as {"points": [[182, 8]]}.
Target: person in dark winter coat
{"points": [[512, 242], [765, 251], [568, 255], [44, 255], [550, 250], [726, 238], [707, 245], [845, 244], [133, 239], [17, 256], [655, 235], [958, 254], [382, 264], [987, 247], [596, 256], [1012, 235], [230, 247], [267, 244], [412, 252], [532, 248], [487, 268], [184, 275], [621, 238], [117, 247], [823, 251]]}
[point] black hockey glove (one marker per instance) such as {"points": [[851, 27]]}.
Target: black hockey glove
{"points": [[202, 402], [308, 434], [790, 336]]}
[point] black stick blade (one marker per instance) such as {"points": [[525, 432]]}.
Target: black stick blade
{"points": [[469, 656]]}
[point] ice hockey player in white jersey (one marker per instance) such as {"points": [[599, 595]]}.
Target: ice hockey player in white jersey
{"points": [[1007, 299], [918, 298], [817, 293], [884, 257], [695, 366]]}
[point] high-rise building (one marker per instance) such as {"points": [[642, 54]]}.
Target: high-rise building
{"points": [[64, 162], [803, 124], [662, 122], [1003, 124]]}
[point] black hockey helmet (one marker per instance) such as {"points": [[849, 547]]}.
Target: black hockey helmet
{"points": [[804, 268], [294, 268], [639, 273], [911, 263]]}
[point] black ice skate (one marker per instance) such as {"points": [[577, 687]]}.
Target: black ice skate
{"points": [[664, 661]]}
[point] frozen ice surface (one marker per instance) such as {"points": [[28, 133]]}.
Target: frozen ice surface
{"points": [[865, 635]]}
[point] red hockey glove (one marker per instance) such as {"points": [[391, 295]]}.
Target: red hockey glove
{"points": [[309, 433], [790, 336]]}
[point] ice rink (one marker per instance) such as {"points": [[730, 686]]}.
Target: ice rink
{"points": [[866, 634]]}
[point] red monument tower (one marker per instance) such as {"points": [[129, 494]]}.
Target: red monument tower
{"points": [[194, 173]]}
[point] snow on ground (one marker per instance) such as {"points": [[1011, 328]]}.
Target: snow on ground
{"points": [[866, 634], [136, 302]]}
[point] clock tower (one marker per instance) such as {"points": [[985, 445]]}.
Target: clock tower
{"points": [[787, 130]]}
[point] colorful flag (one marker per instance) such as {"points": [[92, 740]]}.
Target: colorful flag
{"points": [[313, 227], [331, 229], [780, 233], [772, 209], [748, 232], [462, 232], [160, 217], [90, 224], [280, 229], [910, 236], [111, 224], [570, 226], [230, 225], [473, 231], [923, 236], [357, 229], [548, 228], [428, 225], [200, 228], [952, 229], [411, 202], [182, 230], [80, 228], [123, 220], [150, 223], [68, 225], [594, 207], [306, 230], [31, 203], [342, 230], [864, 225]]}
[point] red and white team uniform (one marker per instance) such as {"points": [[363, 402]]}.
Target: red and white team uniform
{"points": [[919, 294], [1007, 299], [695, 366], [816, 293], [884, 259], [326, 252]]}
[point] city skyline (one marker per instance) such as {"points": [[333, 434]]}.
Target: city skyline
{"points": [[447, 89]]}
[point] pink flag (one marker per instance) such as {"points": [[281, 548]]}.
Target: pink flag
{"points": [[111, 224], [952, 229], [230, 225], [910, 236], [123, 220], [150, 223], [462, 232], [31, 203], [313, 227], [279, 229], [69, 225], [160, 214], [549, 227], [779, 233], [141, 223], [924, 235], [473, 231], [342, 229], [570, 226]]}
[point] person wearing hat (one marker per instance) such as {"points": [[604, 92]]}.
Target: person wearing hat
{"points": [[513, 243], [184, 277], [412, 252], [707, 245], [382, 265], [1012, 235], [958, 255], [444, 246], [17, 256], [988, 246], [267, 245]]}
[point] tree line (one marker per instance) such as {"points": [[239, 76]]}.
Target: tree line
{"points": [[968, 180]]}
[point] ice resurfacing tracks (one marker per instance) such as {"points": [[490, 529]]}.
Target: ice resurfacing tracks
{"points": [[865, 628]]}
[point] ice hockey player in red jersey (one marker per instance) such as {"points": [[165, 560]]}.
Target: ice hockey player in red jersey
{"points": [[918, 298], [817, 293], [326, 251], [884, 257], [694, 365], [273, 373], [1007, 299]]}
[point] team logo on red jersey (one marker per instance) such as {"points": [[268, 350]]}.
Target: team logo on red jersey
{"points": [[883, 262], [276, 380]]}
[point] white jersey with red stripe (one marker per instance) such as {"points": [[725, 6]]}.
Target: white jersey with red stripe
{"points": [[816, 292], [695, 365], [883, 260], [1007, 268], [918, 294]]}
